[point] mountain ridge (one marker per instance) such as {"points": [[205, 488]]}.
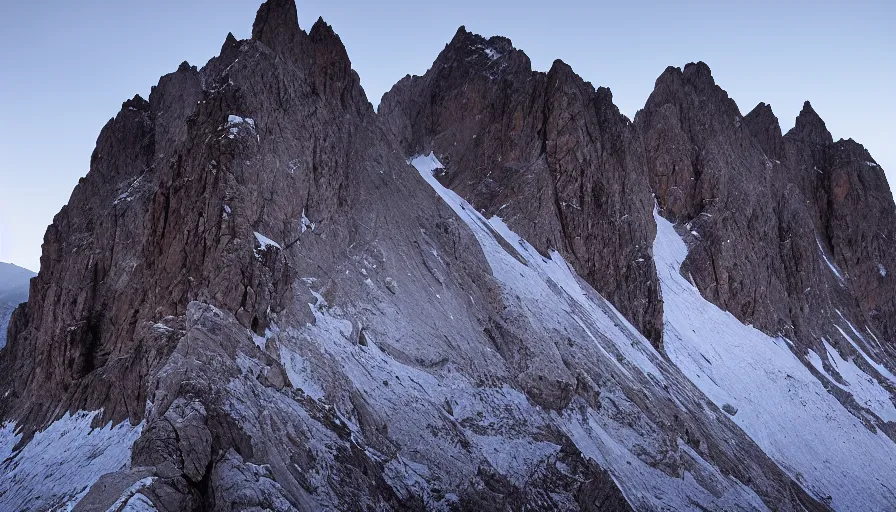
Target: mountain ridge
{"points": [[265, 294]]}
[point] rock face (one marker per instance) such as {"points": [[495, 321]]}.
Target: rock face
{"points": [[548, 153], [710, 174], [766, 214], [266, 296], [13, 291], [852, 208]]}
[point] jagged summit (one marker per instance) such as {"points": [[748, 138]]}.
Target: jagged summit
{"points": [[136, 103], [277, 24], [810, 127], [693, 73], [470, 52], [764, 125], [264, 295], [698, 71], [547, 151]]}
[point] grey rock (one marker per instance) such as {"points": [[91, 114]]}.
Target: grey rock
{"points": [[226, 276], [548, 153], [810, 128]]}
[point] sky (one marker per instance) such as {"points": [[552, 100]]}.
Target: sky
{"points": [[67, 66]]}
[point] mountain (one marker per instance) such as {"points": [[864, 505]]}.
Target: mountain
{"points": [[495, 293], [546, 152], [13, 291]]}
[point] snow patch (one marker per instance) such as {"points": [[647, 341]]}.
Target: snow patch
{"points": [[60, 463], [492, 54], [781, 405], [886, 373], [265, 243], [130, 500], [236, 124], [139, 503], [826, 260], [128, 195], [655, 489], [262, 341], [306, 223], [426, 163], [866, 391]]}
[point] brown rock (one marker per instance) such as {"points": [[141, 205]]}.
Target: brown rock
{"points": [[547, 153]]}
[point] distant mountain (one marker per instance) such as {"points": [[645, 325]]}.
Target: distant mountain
{"points": [[13, 291]]}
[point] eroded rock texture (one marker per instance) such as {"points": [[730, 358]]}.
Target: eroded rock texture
{"points": [[248, 224], [774, 221], [294, 318], [545, 151]]}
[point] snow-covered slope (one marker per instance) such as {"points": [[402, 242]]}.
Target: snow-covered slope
{"points": [[633, 413], [780, 404], [641, 416], [58, 466], [555, 299], [776, 400]]}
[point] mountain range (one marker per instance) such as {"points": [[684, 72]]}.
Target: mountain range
{"points": [[495, 292]]}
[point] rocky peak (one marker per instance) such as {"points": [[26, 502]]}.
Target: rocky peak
{"points": [[810, 127], [470, 53], [136, 103], [277, 24], [545, 151], [764, 125], [493, 46], [329, 52], [698, 73], [782, 267], [681, 124], [231, 44]]}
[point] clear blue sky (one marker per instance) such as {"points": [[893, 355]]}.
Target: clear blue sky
{"points": [[67, 66]]}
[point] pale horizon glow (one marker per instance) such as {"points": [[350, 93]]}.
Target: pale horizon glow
{"points": [[68, 66]]}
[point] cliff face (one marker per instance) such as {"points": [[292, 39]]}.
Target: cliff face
{"points": [[765, 215], [253, 282], [851, 208], [264, 295], [554, 158], [546, 152], [177, 186]]}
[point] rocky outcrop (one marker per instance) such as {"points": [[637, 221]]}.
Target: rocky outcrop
{"points": [[547, 153], [242, 277], [764, 125], [710, 174], [850, 206], [810, 128], [757, 209]]}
